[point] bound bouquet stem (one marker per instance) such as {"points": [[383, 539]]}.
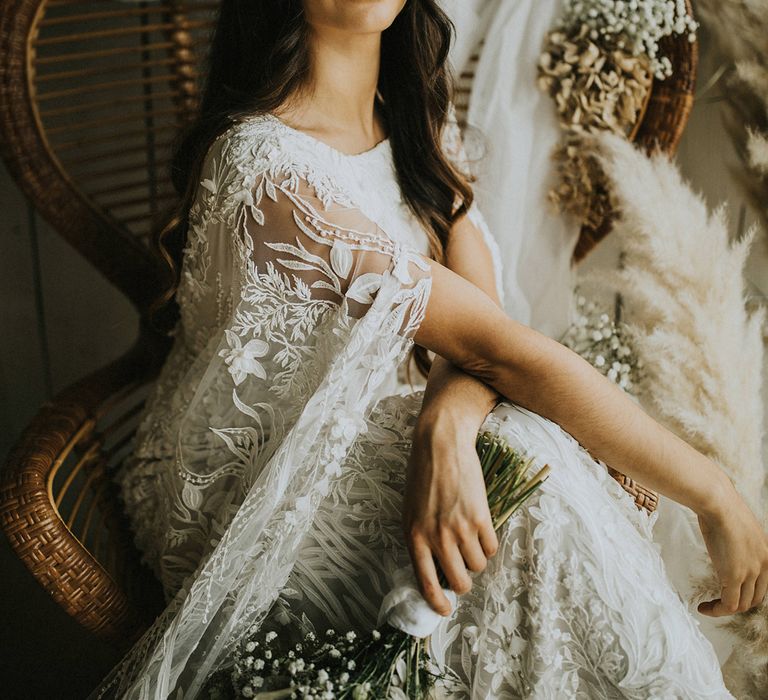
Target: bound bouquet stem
{"points": [[394, 660]]}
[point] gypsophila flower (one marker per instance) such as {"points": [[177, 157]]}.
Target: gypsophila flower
{"points": [[604, 344], [338, 665], [636, 26]]}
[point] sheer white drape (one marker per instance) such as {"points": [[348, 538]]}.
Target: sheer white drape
{"points": [[515, 130]]}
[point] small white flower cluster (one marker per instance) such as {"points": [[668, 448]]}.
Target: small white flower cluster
{"points": [[635, 25], [606, 345], [317, 668]]}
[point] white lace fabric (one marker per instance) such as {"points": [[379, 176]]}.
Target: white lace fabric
{"points": [[266, 486], [296, 307]]}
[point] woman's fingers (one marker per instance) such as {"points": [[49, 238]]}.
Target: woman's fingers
{"points": [[729, 599], [737, 598], [726, 604], [472, 552], [426, 575], [489, 541], [747, 594], [761, 588], [452, 562]]}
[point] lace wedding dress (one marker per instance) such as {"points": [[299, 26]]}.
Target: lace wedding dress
{"points": [[267, 482]]}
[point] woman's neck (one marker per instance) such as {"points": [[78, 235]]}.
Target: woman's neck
{"points": [[338, 104]]}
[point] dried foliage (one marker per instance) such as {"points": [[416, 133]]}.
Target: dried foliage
{"points": [[638, 25], [582, 189], [593, 88]]}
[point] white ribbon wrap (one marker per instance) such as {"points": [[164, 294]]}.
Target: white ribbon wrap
{"points": [[406, 609]]}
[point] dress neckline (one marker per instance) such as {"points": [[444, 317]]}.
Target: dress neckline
{"points": [[381, 145]]}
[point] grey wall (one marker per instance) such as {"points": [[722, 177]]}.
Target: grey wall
{"points": [[60, 320]]}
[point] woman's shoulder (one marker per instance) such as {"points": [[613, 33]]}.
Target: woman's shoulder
{"points": [[265, 139], [261, 144], [254, 141]]}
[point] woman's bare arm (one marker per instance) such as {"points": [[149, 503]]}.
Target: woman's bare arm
{"points": [[452, 396], [466, 327], [444, 476]]}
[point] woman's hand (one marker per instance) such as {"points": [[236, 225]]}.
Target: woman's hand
{"points": [[738, 548], [445, 510]]}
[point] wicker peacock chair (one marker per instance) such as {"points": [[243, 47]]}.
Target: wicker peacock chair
{"points": [[92, 93]]}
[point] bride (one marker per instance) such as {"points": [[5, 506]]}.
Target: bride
{"points": [[284, 465]]}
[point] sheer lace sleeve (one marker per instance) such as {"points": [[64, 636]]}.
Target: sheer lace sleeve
{"points": [[322, 251], [321, 306]]}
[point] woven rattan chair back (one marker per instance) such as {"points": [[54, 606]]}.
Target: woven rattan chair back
{"points": [[92, 93]]}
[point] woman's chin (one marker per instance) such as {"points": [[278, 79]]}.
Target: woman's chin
{"points": [[356, 16]]}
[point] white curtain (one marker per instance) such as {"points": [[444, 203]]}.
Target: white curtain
{"points": [[512, 130]]}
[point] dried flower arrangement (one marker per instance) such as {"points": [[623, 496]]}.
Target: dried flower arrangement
{"points": [[632, 24], [581, 190], [594, 87], [598, 65]]}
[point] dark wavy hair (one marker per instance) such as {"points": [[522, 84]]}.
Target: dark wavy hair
{"points": [[259, 57]]}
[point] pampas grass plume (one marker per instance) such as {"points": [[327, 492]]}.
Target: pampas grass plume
{"points": [[683, 290]]}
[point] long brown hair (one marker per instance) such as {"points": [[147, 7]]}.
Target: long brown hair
{"points": [[259, 57]]}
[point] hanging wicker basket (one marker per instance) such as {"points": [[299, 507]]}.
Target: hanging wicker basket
{"points": [[662, 122]]}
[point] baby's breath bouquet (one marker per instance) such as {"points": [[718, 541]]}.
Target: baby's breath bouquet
{"points": [[393, 662]]}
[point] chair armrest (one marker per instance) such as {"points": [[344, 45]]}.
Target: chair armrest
{"points": [[102, 597]]}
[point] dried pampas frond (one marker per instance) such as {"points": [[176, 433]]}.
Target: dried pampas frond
{"points": [[740, 28], [740, 25], [683, 293], [754, 77], [747, 124], [682, 281]]}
